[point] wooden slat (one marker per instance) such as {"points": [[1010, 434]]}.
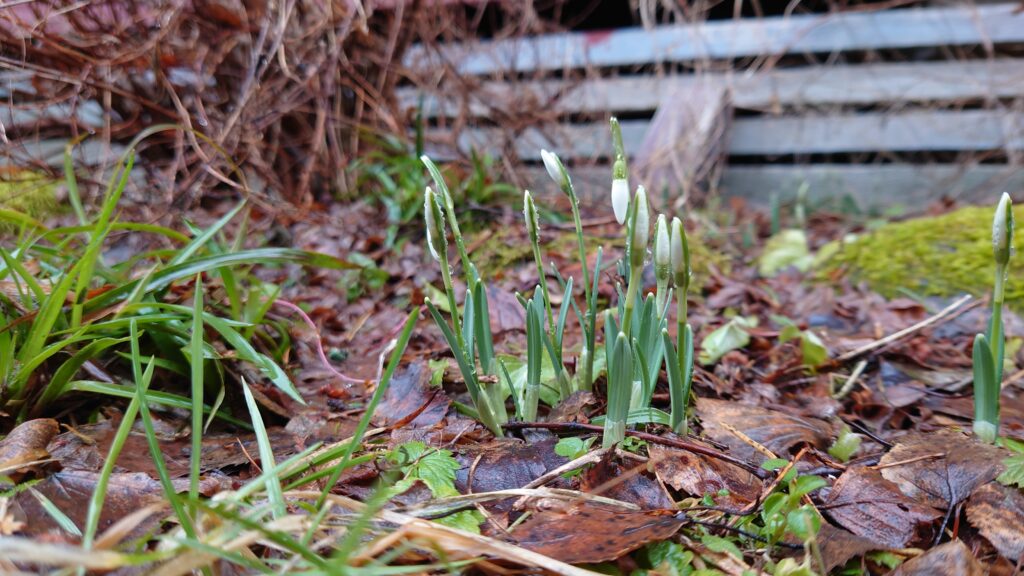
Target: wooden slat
{"points": [[796, 87], [875, 185], [918, 131], [869, 186], [726, 39]]}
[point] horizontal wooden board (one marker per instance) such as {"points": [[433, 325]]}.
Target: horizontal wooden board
{"points": [[812, 86], [868, 185], [914, 131], [726, 39]]}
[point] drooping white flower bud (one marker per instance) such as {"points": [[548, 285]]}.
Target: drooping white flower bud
{"points": [[555, 168], [434, 219], [1002, 230], [641, 227], [680, 255], [620, 199], [662, 251], [530, 214]]}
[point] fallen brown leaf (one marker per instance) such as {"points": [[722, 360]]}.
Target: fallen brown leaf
{"points": [[697, 475], [949, 559], [868, 505], [588, 533], [941, 468], [997, 512], [777, 431], [626, 483]]}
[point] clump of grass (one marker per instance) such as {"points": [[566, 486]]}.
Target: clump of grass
{"points": [[63, 306]]}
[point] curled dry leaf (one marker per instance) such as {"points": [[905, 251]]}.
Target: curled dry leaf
{"points": [[777, 431], [868, 505], [26, 444], [697, 475], [589, 533], [941, 468], [997, 512], [949, 559]]}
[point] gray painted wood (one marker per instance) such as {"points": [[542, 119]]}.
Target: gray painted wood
{"points": [[726, 39], [912, 131], [812, 86], [868, 185]]}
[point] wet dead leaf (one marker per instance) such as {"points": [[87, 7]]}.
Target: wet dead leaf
{"points": [[410, 400], [997, 512], [587, 533], [941, 468], [868, 505], [949, 559], [698, 475], [504, 464], [626, 483], [777, 431], [26, 444], [70, 492]]}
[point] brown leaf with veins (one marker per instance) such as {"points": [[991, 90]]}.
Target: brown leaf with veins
{"points": [[698, 475], [868, 505], [941, 468], [777, 431], [26, 444], [997, 512], [949, 559], [588, 533]]}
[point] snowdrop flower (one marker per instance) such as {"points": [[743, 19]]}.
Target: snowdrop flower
{"points": [[662, 250], [555, 168], [641, 227], [620, 199], [434, 224], [530, 214], [1002, 230], [680, 255]]}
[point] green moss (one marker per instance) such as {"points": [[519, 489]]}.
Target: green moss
{"points": [[28, 192], [935, 256]]}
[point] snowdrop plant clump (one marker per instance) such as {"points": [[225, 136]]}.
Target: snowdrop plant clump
{"points": [[637, 339]]}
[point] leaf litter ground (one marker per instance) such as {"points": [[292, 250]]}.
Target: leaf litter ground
{"points": [[918, 492]]}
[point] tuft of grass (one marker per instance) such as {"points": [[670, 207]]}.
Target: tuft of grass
{"points": [[65, 307]]}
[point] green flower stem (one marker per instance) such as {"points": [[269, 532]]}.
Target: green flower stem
{"points": [[544, 289], [449, 290], [586, 359], [995, 331], [635, 274], [681, 313]]}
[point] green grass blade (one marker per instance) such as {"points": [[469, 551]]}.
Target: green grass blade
{"points": [[196, 360], [274, 492]]}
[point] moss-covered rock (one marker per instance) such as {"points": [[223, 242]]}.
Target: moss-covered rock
{"points": [[933, 256]]}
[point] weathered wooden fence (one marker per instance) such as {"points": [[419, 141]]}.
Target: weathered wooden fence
{"points": [[946, 121]]}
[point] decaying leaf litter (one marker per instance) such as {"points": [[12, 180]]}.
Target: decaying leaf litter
{"points": [[816, 441]]}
